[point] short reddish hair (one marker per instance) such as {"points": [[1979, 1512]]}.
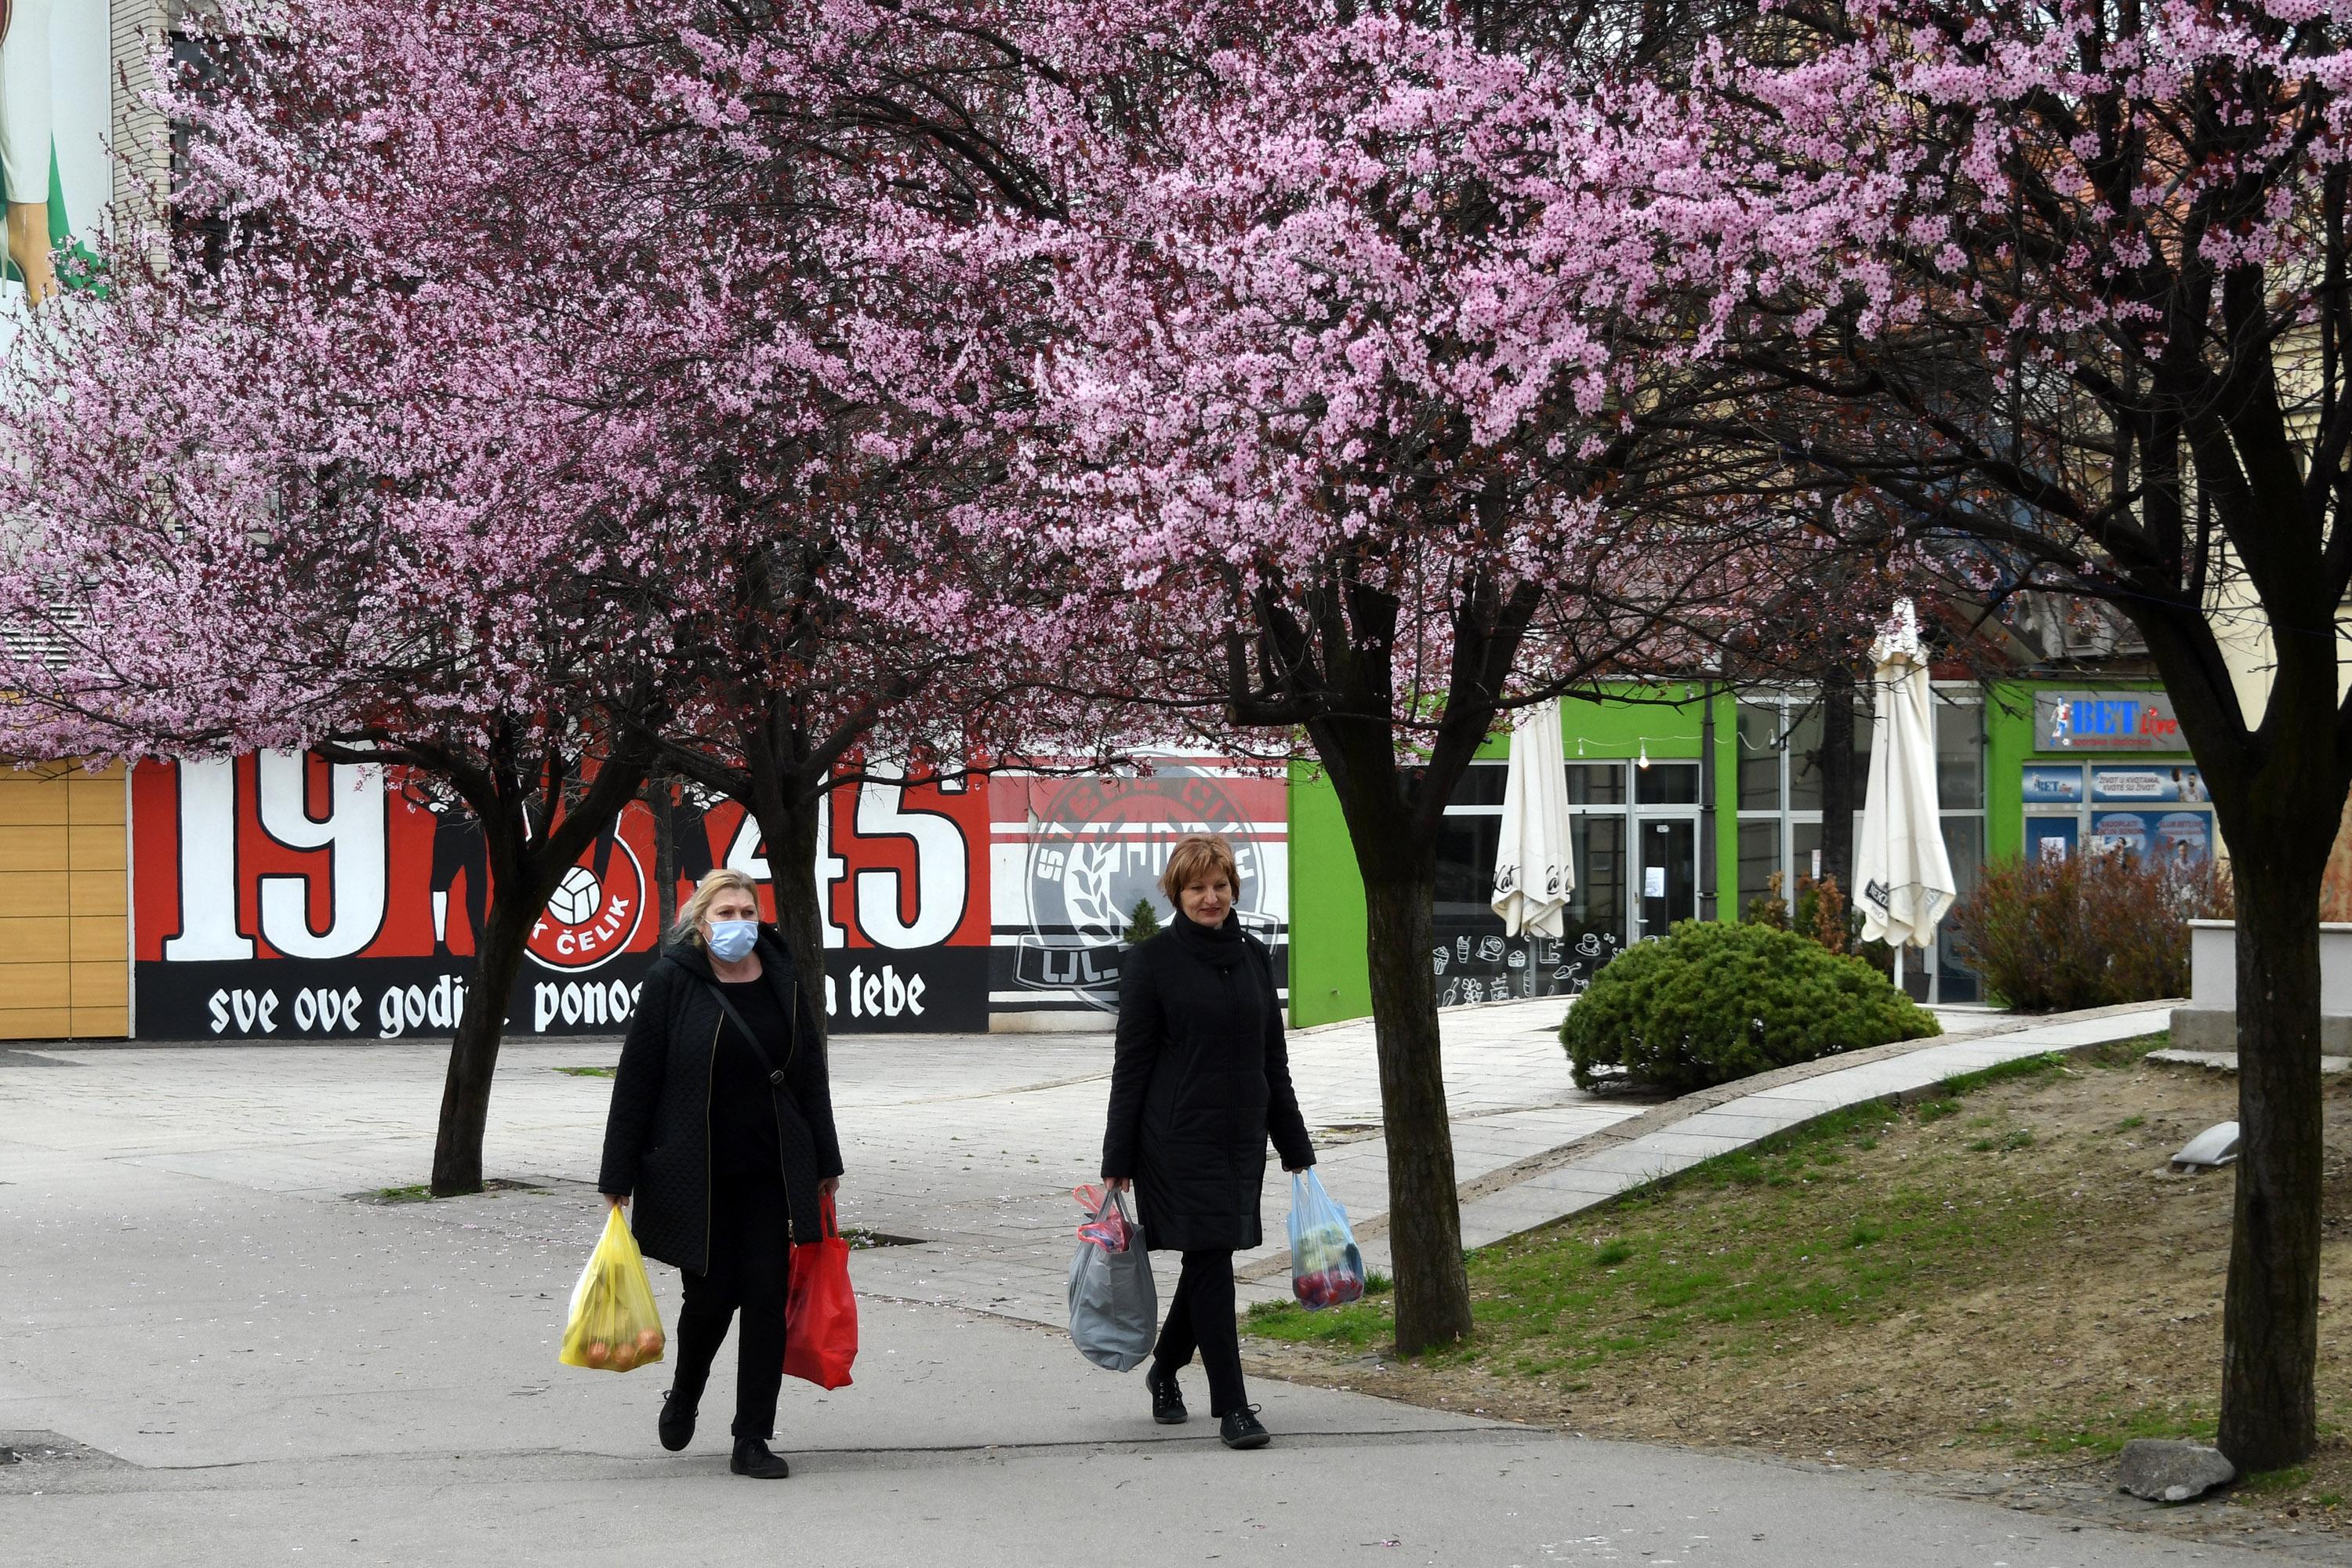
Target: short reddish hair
{"points": [[1192, 859]]}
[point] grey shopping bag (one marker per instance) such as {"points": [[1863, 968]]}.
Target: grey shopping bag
{"points": [[1114, 1309]]}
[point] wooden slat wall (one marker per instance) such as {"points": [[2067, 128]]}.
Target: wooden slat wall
{"points": [[65, 921]]}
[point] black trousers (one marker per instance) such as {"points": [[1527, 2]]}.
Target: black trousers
{"points": [[1200, 1318], [751, 1264]]}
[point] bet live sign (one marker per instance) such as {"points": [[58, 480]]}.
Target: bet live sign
{"points": [[2106, 721]]}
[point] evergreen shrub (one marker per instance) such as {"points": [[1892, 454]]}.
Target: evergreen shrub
{"points": [[1712, 1002]]}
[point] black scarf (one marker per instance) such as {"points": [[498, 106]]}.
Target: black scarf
{"points": [[1219, 946]]}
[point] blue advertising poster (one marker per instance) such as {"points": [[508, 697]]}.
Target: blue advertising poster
{"points": [[2121, 832], [2050, 837], [2185, 837], [2158, 783], [2046, 785]]}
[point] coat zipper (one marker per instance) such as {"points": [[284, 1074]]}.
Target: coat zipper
{"points": [[792, 1024], [709, 1157]]}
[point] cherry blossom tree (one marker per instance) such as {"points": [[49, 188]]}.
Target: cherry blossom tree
{"points": [[381, 481], [833, 400], [1333, 412], [592, 380], [2062, 286]]}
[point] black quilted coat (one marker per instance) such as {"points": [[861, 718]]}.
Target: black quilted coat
{"points": [[1201, 1079], [657, 1134]]}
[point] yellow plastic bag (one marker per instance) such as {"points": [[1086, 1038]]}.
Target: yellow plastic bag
{"points": [[614, 1325]]}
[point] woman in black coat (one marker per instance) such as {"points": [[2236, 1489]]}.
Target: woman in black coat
{"points": [[725, 1138], [1201, 1078]]}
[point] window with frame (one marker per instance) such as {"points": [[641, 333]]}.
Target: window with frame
{"points": [[1473, 960], [1780, 776]]}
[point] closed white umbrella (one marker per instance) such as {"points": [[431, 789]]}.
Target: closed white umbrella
{"points": [[1534, 873], [1902, 877]]}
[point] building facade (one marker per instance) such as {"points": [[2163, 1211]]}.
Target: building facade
{"points": [[1687, 802]]}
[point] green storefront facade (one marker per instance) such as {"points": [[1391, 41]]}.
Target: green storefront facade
{"points": [[1685, 799]]}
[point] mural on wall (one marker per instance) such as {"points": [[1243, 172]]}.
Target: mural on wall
{"points": [[1484, 965], [279, 896], [1074, 857], [56, 109]]}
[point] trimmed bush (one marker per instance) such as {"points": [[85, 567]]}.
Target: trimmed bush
{"points": [[1713, 1003], [2090, 931]]}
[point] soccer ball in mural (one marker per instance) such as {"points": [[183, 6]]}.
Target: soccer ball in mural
{"points": [[576, 897]]}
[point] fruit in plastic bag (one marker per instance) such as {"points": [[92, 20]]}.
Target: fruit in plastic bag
{"points": [[613, 1325], [1326, 1268]]}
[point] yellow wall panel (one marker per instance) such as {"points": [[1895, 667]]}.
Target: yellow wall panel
{"points": [[96, 802], [65, 927], [84, 893], [100, 986], [35, 1023], [33, 848], [27, 799], [34, 985], [39, 891], [98, 848], [29, 892], [34, 939], [96, 939]]}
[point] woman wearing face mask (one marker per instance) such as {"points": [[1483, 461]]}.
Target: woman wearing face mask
{"points": [[1201, 1079], [721, 1128]]}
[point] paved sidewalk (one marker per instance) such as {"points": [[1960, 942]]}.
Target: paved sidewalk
{"points": [[217, 1356]]}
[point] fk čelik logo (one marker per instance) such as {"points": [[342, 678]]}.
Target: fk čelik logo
{"points": [[1099, 854], [594, 911]]}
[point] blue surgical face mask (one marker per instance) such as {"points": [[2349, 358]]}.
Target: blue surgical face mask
{"points": [[732, 939]]}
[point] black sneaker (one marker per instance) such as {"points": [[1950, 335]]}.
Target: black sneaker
{"points": [[677, 1422], [753, 1458], [1240, 1429], [1167, 1399]]}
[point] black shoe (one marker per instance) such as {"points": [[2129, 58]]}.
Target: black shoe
{"points": [[1167, 1399], [1240, 1429], [753, 1458], [677, 1422]]}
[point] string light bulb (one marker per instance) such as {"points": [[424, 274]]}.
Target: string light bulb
{"points": [[1644, 761]]}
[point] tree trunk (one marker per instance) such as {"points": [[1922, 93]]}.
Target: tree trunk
{"points": [[1433, 1291], [525, 866], [2278, 792], [661, 797], [2271, 1317], [474, 1053], [789, 821]]}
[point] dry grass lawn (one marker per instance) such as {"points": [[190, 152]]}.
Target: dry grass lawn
{"points": [[2001, 1280]]}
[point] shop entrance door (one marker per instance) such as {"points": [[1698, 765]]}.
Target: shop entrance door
{"points": [[1669, 885]]}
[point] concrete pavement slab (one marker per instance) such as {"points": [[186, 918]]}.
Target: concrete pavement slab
{"points": [[263, 1369]]}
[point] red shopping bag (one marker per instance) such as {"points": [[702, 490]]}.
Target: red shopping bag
{"points": [[821, 1312]]}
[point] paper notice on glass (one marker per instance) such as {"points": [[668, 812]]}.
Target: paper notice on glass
{"points": [[1653, 882]]}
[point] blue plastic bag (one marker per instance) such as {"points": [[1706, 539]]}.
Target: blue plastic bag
{"points": [[1326, 1270]]}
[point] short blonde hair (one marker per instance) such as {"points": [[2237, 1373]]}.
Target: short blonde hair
{"points": [[726, 880], [1194, 858]]}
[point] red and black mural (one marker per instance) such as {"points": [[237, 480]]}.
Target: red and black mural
{"points": [[278, 896]]}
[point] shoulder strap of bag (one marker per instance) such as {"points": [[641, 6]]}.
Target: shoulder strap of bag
{"points": [[791, 1006]]}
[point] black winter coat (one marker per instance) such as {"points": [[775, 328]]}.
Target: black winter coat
{"points": [[1201, 1079], [657, 1134]]}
